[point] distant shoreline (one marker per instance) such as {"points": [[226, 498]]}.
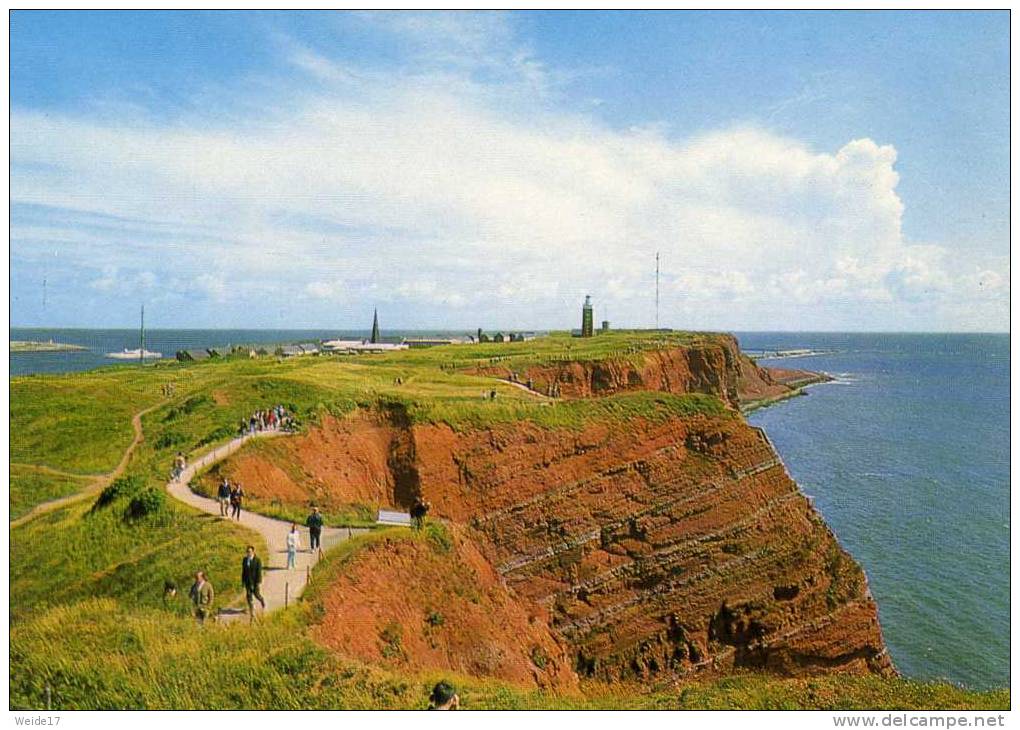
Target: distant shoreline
{"points": [[31, 346]]}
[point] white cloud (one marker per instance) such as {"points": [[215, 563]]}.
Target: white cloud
{"points": [[424, 188]]}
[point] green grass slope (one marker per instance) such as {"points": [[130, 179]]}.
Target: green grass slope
{"points": [[81, 552], [31, 485]]}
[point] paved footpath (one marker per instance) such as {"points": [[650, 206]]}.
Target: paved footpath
{"points": [[279, 585]]}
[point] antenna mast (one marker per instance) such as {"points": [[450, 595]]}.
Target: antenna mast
{"points": [[656, 290], [141, 350]]}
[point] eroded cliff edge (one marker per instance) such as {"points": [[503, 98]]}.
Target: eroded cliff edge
{"points": [[655, 548]]}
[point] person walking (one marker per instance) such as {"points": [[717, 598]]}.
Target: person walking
{"points": [[236, 497], [315, 523], [202, 595], [293, 545], [419, 510], [251, 579], [224, 496]]}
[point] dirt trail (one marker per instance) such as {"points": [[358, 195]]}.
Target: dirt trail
{"points": [[100, 482], [526, 389], [278, 584]]}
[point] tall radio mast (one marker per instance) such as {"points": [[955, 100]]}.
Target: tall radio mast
{"points": [[141, 337], [656, 290]]}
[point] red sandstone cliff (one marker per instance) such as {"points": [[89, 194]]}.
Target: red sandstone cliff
{"points": [[660, 549], [439, 604], [657, 550], [717, 367]]}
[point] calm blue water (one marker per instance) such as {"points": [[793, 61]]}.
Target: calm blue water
{"points": [[907, 457]]}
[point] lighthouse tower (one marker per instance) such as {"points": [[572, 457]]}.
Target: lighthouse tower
{"points": [[587, 318]]}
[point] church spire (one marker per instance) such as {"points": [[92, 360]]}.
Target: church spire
{"points": [[375, 328]]}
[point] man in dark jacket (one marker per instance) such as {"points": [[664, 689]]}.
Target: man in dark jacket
{"points": [[314, 523], [251, 579], [419, 510], [223, 494]]}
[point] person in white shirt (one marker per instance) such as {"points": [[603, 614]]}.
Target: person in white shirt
{"points": [[293, 545]]}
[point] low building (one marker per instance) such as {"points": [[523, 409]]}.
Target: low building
{"points": [[341, 347], [291, 351], [219, 351], [418, 342]]}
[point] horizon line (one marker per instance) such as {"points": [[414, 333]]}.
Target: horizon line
{"points": [[513, 329]]}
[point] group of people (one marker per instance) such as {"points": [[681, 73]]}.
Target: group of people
{"points": [[314, 523], [276, 418], [515, 378], [202, 593], [230, 496]]}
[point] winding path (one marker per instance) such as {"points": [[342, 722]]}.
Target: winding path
{"points": [[526, 389], [279, 585], [99, 483]]}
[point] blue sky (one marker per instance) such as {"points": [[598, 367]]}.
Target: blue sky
{"points": [[825, 170]]}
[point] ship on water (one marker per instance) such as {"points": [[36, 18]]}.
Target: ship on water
{"points": [[140, 353], [136, 354]]}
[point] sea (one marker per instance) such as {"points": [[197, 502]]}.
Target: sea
{"points": [[906, 454]]}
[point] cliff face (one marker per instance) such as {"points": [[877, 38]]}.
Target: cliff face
{"points": [[661, 549], [655, 549], [717, 368], [434, 602]]}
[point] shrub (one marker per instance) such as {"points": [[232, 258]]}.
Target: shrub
{"points": [[116, 489], [439, 536], [148, 502], [435, 618], [169, 440], [392, 637], [220, 433], [187, 407]]}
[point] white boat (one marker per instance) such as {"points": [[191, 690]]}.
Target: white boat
{"points": [[127, 354]]}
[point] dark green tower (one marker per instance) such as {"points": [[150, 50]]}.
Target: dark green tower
{"points": [[587, 318], [375, 328]]}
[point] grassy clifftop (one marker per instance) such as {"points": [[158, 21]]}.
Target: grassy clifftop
{"points": [[80, 424]]}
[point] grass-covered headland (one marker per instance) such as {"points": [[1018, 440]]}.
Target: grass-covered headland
{"points": [[90, 627]]}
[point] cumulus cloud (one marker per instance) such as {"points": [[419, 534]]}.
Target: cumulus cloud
{"points": [[423, 189]]}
